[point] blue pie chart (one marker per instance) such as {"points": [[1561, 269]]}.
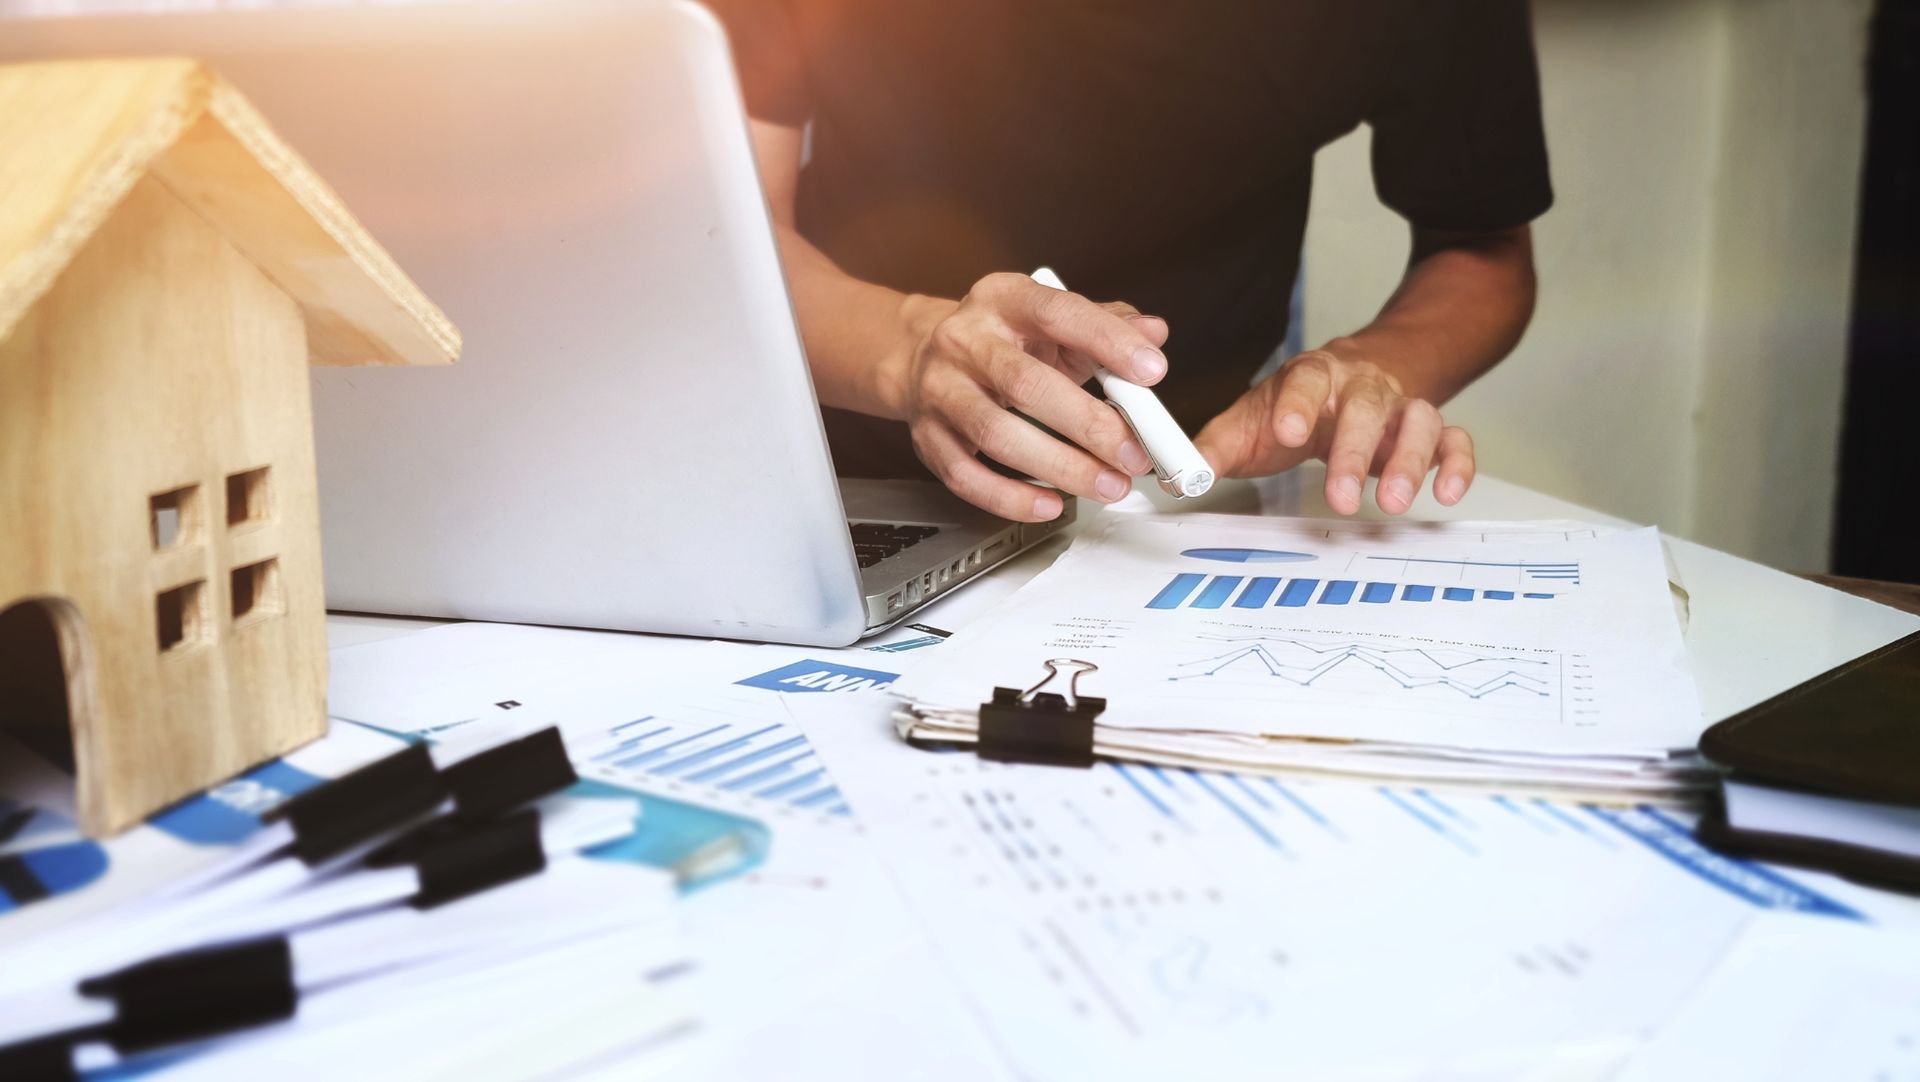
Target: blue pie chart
{"points": [[1249, 556]]}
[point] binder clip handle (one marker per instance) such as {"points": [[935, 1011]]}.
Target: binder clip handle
{"points": [[1073, 667], [1040, 726]]}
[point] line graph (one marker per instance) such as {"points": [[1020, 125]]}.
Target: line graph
{"points": [[1354, 674], [1304, 663]]}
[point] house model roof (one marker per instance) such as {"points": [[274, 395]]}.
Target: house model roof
{"points": [[75, 136]]}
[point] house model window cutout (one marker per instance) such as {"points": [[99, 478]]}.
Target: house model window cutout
{"points": [[168, 269]]}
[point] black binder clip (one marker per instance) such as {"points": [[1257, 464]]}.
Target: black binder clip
{"points": [[355, 807], [196, 994], [455, 858], [1035, 726], [388, 793]]}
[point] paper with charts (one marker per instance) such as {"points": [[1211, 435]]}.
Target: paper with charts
{"points": [[1532, 653], [1143, 921]]}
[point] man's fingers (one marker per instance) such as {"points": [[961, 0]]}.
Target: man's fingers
{"points": [[1053, 399], [1356, 435], [1034, 310], [1413, 450], [1456, 465], [1152, 326], [1304, 388], [1007, 439], [1230, 442], [953, 463], [1079, 365]]}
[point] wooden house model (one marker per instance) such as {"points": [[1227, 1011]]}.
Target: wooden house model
{"points": [[168, 269]]}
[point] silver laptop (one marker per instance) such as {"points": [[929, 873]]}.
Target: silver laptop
{"points": [[630, 439]]}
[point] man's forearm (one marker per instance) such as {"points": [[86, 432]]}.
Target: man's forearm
{"points": [[859, 336], [1460, 308]]}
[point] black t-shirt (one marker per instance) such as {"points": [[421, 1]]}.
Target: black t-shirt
{"points": [[1153, 151]]}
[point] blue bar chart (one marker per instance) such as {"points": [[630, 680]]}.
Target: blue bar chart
{"points": [[1194, 591], [765, 760]]}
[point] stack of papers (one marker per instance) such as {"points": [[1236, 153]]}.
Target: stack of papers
{"points": [[1542, 657], [1142, 921], [421, 911], [810, 965]]}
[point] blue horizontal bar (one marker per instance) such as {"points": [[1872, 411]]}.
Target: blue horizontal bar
{"points": [[1145, 793], [791, 785], [630, 743], [1457, 593], [1497, 595], [649, 756], [722, 769], [1297, 592], [764, 774], [1176, 591], [1537, 595], [814, 800], [1258, 592], [1338, 592], [1416, 593], [696, 758], [1217, 592], [1377, 593]]}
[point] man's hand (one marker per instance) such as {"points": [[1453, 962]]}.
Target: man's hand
{"points": [[950, 368], [1350, 413], [1012, 342]]}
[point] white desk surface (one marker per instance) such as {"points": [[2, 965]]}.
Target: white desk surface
{"points": [[1753, 632]]}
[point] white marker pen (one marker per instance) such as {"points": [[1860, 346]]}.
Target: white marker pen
{"points": [[1177, 464]]}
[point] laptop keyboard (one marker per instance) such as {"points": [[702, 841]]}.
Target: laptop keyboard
{"points": [[875, 541]]}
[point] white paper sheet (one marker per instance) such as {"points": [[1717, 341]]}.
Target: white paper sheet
{"points": [[693, 720], [544, 1015], [812, 966], [1132, 919], [459, 676], [1798, 999]]}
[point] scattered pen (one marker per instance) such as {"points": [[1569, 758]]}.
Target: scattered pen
{"points": [[1180, 468]]}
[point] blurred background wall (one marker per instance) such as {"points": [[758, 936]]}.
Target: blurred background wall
{"points": [[1685, 364]]}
